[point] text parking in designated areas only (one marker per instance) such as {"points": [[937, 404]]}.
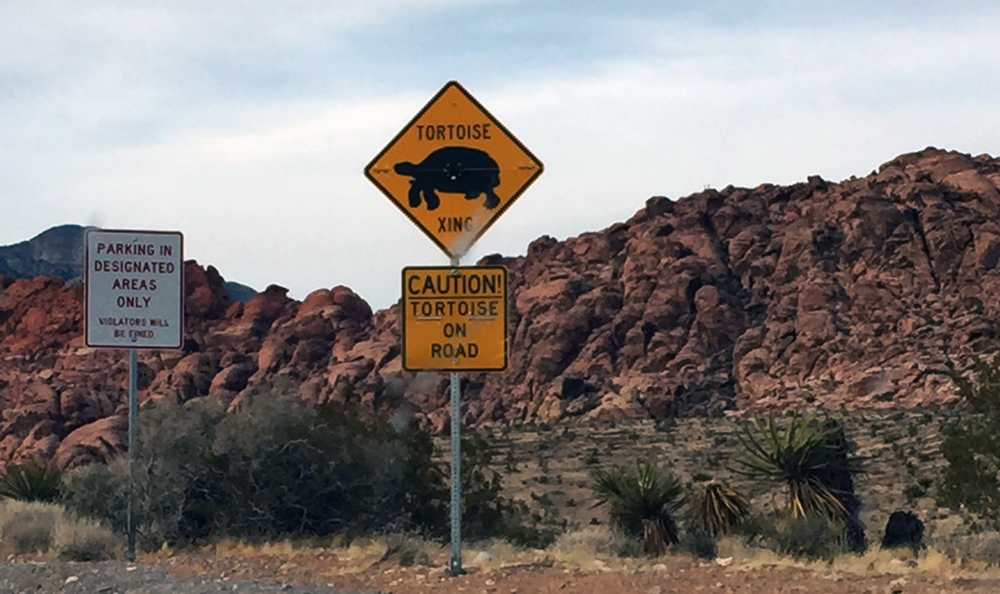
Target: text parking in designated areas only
{"points": [[134, 289]]}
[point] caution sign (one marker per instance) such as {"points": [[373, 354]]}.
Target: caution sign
{"points": [[454, 169], [455, 319], [134, 289]]}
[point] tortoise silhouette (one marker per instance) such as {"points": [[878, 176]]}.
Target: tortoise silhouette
{"points": [[454, 170]]}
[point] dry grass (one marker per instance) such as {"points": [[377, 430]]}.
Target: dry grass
{"points": [[969, 562], [27, 528], [48, 529], [578, 548], [353, 556], [82, 539]]}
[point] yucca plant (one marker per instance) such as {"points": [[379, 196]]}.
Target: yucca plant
{"points": [[808, 456], [643, 502], [718, 510], [32, 481]]}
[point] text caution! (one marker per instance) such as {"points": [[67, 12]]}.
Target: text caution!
{"points": [[134, 289], [455, 319]]}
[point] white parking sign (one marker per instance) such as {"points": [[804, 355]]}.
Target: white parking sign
{"points": [[134, 289]]}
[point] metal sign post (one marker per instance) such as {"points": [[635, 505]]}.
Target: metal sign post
{"points": [[133, 418], [456, 465]]}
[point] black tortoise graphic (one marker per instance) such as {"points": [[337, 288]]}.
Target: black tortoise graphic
{"points": [[454, 170]]}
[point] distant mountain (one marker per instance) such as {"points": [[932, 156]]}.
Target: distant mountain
{"points": [[239, 292], [57, 252], [60, 252]]}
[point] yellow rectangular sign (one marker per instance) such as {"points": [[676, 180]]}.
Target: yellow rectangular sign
{"points": [[455, 318]]}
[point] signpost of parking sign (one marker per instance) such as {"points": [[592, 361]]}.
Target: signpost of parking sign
{"points": [[134, 289]]}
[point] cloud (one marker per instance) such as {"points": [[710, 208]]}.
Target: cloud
{"points": [[248, 128]]}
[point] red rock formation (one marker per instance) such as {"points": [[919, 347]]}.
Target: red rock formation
{"points": [[837, 295]]}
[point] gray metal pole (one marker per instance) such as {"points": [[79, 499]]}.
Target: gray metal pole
{"points": [[456, 466], [133, 414]]}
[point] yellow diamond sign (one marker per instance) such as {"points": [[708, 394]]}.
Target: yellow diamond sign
{"points": [[455, 319], [454, 169]]}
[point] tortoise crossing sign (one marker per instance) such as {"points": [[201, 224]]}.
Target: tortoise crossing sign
{"points": [[454, 169]]}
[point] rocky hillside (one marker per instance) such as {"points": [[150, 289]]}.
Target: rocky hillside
{"points": [[852, 294]]}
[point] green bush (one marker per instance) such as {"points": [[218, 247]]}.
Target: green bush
{"points": [[171, 477], [814, 461], [970, 479], [812, 537], [278, 468], [971, 446], [32, 481], [643, 503], [802, 455]]}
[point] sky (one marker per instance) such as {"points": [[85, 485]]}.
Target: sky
{"points": [[247, 124]]}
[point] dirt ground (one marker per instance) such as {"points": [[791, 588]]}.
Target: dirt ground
{"points": [[537, 572]]}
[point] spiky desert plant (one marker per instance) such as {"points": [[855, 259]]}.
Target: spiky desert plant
{"points": [[808, 456], [718, 509], [643, 502], [32, 481]]}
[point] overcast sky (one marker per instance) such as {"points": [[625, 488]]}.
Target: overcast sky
{"points": [[247, 124]]}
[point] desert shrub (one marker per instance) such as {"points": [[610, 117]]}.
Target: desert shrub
{"points": [[486, 513], [274, 468], [278, 468], [643, 503], [971, 549], [808, 537], [698, 543], [813, 460], [83, 539], [100, 491], [47, 528], [32, 481], [717, 510], [970, 479], [593, 541], [813, 537], [903, 529], [971, 445], [171, 477], [27, 527]]}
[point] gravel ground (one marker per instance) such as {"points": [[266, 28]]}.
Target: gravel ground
{"points": [[125, 578]]}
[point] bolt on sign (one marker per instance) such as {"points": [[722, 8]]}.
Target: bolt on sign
{"points": [[134, 289], [454, 169], [455, 319]]}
